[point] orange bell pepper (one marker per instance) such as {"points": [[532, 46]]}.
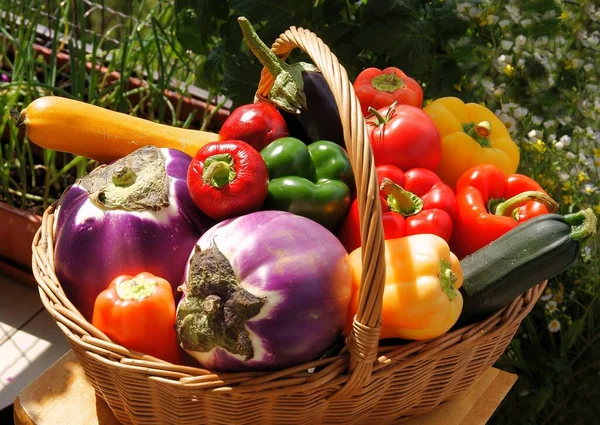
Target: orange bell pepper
{"points": [[138, 312], [421, 298], [471, 135]]}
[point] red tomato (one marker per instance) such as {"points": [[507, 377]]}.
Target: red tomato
{"points": [[406, 137], [257, 124]]}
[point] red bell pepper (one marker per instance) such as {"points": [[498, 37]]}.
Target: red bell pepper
{"points": [[412, 202], [490, 204], [378, 89], [138, 312], [227, 179]]}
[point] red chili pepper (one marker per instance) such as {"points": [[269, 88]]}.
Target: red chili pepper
{"points": [[228, 179], [412, 202], [490, 204], [138, 312], [257, 124], [378, 89]]}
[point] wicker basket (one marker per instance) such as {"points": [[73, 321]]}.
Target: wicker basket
{"points": [[364, 383]]}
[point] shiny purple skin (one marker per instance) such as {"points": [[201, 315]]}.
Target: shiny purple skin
{"points": [[93, 246], [304, 272]]}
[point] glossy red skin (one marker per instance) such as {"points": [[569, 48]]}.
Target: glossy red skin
{"points": [[408, 140], [244, 194], [474, 225], [439, 206], [368, 95], [257, 124]]}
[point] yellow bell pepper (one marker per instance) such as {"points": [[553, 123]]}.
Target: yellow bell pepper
{"points": [[421, 298], [471, 135]]}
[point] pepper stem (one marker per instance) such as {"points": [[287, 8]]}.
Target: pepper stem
{"points": [[123, 176], [447, 279], [583, 224], [288, 88], [480, 132], [218, 170], [399, 199], [505, 208], [387, 82], [135, 289]]}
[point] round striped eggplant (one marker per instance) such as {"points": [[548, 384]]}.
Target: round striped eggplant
{"points": [[134, 215], [263, 291]]}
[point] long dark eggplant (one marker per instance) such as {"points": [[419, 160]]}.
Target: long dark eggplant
{"points": [[300, 92]]}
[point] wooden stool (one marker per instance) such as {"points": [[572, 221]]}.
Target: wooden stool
{"points": [[62, 395]]}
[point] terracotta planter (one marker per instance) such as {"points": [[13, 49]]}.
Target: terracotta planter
{"points": [[17, 229]]}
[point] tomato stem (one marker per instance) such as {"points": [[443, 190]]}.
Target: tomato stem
{"points": [[381, 120]]}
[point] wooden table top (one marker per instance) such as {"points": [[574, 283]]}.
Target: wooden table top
{"points": [[63, 395]]}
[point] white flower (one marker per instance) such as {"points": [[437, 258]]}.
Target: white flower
{"points": [[507, 44], [541, 41], [554, 326], [521, 63], [534, 134], [592, 88], [588, 67], [576, 63], [565, 140], [560, 39], [526, 22], [462, 7], [492, 19], [514, 13], [537, 120], [549, 123], [546, 297], [564, 120], [474, 12], [593, 40], [551, 306], [520, 112], [564, 177], [559, 146], [504, 23], [571, 155], [521, 40]]}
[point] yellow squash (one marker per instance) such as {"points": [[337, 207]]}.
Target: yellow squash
{"points": [[80, 128]]}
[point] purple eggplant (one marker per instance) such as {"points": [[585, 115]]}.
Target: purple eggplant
{"points": [[300, 92], [131, 216], [263, 291]]}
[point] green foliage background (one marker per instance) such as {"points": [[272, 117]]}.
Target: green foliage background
{"points": [[535, 64]]}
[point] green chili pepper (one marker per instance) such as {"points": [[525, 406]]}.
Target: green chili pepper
{"points": [[313, 181]]}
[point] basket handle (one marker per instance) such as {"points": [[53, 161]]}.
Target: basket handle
{"points": [[363, 341]]}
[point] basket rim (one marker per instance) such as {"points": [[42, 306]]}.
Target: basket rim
{"points": [[331, 370]]}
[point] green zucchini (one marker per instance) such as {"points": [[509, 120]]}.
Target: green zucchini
{"points": [[532, 252]]}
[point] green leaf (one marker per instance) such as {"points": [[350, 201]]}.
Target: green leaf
{"points": [[542, 397], [570, 336]]}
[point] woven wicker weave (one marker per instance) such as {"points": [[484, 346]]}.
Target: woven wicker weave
{"points": [[365, 383]]}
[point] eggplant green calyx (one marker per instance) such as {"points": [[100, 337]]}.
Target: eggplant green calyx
{"points": [[447, 279], [288, 88], [508, 206], [387, 82], [136, 182], [480, 132], [135, 289], [583, 224], [399, 199], [215, 308], [219, 170]]}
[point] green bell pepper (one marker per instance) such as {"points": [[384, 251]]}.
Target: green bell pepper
{"points": [[313, 181]]}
